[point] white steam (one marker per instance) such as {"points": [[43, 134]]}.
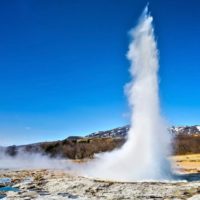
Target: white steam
{"points": [[144, 155], [27, 160]]}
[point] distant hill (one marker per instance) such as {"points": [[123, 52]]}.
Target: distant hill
{"points": [[186, 141]]}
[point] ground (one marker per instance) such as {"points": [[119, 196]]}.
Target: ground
{"points": [[187, 163], [56, 184]]}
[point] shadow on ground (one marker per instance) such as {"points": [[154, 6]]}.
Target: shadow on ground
{"points": [[188, 177]]}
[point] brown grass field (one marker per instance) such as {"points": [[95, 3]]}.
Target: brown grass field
{"points": [[186, 163]]}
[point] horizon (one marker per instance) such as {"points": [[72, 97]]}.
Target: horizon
{"points": [[64, 66], [36, 142]]}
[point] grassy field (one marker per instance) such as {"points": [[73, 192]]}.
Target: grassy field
{"points": [[187, 163]]}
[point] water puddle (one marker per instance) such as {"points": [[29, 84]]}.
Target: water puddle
{"points": [[8, 188], [5, 180]]}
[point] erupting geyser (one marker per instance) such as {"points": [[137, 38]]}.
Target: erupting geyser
{"points": [[144, 155]]}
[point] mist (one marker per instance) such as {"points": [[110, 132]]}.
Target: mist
{"points": [[35, 160]]}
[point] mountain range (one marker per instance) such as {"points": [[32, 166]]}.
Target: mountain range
{"points": [[123, 131], [186, 140]]}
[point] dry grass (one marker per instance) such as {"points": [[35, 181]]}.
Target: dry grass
{"points": [[187, 163]]}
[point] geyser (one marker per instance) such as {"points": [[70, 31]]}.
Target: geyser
{"points": [[144, 155]]}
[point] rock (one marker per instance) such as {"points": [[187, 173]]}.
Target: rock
{"points": [[195, 197], [30, 194], [11, 194]]}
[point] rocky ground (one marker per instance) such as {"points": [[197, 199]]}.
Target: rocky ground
{"points": [[47, 185], [57, 184]]}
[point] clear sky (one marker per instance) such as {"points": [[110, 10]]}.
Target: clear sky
{"points": [[63, 65]]}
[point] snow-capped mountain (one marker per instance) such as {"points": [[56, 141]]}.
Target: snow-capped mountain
{"points": [[122, 131], [186, 130], [116, 132]]}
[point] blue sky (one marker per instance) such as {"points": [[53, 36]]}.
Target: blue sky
{"points": [[63, 65]]}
